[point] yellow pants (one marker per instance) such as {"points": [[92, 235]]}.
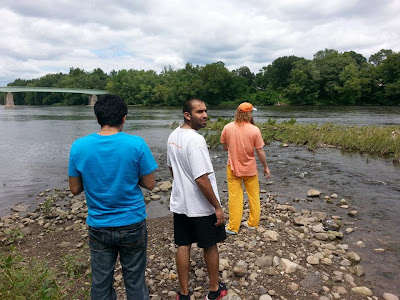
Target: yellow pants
{"points": [[235, 201]]}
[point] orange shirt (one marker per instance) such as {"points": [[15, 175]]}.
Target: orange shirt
{"points": [[242, 139]]}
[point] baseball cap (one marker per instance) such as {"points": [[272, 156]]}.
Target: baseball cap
{"points": [[246, 107]]}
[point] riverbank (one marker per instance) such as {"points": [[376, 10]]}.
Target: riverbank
{"points": [[369, 185], [381, 140], [294, 254]]}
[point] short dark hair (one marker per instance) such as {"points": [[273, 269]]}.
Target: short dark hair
{"points": [[188, 105], [110, 110]]}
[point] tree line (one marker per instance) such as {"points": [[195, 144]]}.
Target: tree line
{"points": [[330, 78]]}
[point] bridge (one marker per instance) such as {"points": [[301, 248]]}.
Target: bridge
{"points": [[9, 99]]}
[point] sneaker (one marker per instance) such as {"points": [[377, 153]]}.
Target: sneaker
{"points": [[179, 296], [222, 291], [245, 224], [230, 231]]}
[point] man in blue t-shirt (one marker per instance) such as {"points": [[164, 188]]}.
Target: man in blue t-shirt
{"points": [[111, 166]]}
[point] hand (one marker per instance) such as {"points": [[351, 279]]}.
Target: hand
{"points": [[267, 173], [220, 216]]}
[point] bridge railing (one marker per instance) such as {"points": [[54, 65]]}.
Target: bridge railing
{"points": [[9, 99], [19, 89]]}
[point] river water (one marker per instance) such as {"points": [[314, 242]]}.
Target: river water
{"points": [[35, 143]]}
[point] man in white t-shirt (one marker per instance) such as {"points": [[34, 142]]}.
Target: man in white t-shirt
{"points": [[198, 216]]}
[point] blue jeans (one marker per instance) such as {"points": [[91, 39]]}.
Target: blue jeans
{"points": [[131, 244]]}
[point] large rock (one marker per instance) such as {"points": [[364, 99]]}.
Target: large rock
{"points": [[313, 193], [164, 185], [362, 290], [311, 283], [264, 261], [240, 269], [271, 235], [288, 266], [388, 296]]}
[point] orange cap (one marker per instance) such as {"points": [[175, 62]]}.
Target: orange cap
{"points": [[246, 107]]}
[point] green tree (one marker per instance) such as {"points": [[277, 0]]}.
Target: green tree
{"points": [[380, 56], [331, 64], [304, 82], [217, 83], [350, 84], [276, 75], [389, 79]]}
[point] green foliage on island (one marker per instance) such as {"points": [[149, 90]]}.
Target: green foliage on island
{"points": [[381, 140], [330, 78]]}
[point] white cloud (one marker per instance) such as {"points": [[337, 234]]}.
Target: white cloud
{"points": [[44, 36]]}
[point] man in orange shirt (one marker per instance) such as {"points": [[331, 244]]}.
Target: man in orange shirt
{"points": [[241, 139]]}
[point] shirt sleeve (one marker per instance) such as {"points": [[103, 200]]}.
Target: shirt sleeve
{"points": [[72, 170], [259, 143], [223, 135], [199, 160], [147, 163]]}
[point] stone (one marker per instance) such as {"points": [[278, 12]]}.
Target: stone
{"points": [[313, 193], [164, 185], [223, 264], [288, 266], [64, 245], [358, 270], [311, 283], [388, 296], [240, 269], [200, 273], [271, 235], [318, 228], [293, 287], [362, 290], [264, 261], [313, 260], [319, 215], [341, 290], [353, 256], [321, 236], [352, 213]]}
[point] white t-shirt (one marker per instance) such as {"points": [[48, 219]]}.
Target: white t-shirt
{"points": [[187, 154]]}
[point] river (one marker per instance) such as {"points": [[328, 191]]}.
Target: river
{"points": [[35, 143]]}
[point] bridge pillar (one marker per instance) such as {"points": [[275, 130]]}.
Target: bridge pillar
{"points": [[9, 103], [92, 100]]}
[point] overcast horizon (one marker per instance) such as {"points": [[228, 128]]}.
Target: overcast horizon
{"points": [[42, 37]]}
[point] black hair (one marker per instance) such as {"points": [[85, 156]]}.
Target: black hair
{"points": [[110, 110], [188, 104]]}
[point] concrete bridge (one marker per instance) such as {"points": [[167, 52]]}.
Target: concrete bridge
{"points": [[9, 98]]}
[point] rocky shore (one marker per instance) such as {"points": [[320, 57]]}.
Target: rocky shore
{"points": [[291, 255]]}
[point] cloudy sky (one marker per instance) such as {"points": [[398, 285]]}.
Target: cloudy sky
{"points": [[38, 37]]}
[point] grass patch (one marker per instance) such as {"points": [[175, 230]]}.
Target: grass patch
{"points": [[382, 140], [24, 279]]}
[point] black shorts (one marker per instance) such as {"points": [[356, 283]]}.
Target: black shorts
{"points": [[188, 230]]}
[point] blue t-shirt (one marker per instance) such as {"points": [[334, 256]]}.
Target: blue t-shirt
{"points": [[110, 167]]}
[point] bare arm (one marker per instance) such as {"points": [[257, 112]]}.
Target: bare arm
{"points": [[261, 156], [76, 185], [225, 146], [204, 185], [148, 181]]}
